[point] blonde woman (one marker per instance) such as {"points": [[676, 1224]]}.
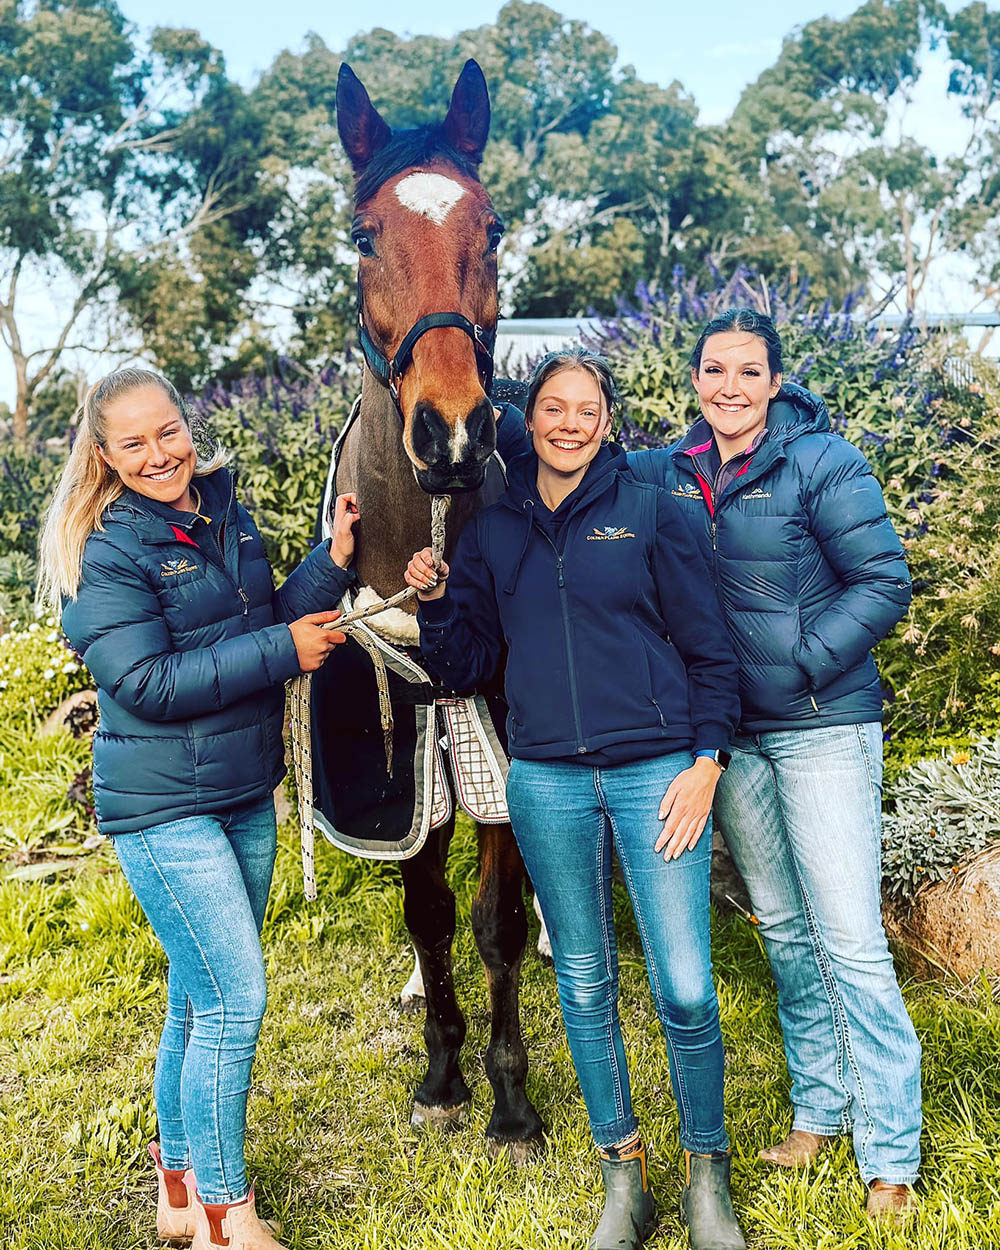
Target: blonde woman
{"points": [[167, 595]]}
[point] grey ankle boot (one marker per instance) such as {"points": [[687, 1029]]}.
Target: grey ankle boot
{"points": [[629, 1211], [706, 1207]]}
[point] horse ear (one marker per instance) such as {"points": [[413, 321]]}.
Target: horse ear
{"points": [[467, 125], [362, 131]]}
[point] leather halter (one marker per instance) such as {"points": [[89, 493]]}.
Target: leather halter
{"points": [[390, 372]]}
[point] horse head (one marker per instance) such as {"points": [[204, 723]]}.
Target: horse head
{"points": [[427, 237]]}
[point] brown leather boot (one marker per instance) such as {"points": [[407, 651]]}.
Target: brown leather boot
{"points": [[234, 1225], [174, 1208], [890, 1202], [798, 1150]]}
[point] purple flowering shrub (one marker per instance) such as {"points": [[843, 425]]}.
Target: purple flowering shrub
{"points": [[884, 388], [281, 430]]}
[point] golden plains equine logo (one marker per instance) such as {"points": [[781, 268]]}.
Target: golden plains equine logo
{"points": [[173, 568], [687, 491], [609, 534]]}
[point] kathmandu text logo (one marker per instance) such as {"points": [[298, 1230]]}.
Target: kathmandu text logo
{"points": [[609, 534], [171, 568], [757, 493]]}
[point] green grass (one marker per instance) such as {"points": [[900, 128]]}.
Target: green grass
{"points": [[81, 996]]}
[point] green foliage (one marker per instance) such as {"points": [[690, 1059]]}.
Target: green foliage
{"points": [[36, 773], [946, 809], [28, 475], [943, 662], [281, 431], [37, 671]]}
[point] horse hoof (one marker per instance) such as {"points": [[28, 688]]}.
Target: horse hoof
{"points": [[519, 1153], [412, 1004], [447, 1119]]}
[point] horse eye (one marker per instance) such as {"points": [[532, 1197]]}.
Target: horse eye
{"points": [[494, 234], [363, 242]]}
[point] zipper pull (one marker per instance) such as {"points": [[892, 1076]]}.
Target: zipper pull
{"points": [[713, 535], [246, 601], [559, 566]]}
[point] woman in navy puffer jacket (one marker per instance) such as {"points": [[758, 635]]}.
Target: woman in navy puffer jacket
{"points": [[621, 683], [810, 575], [168, 597]]}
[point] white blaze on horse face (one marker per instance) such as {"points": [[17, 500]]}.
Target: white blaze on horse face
{"points": [[431, 195]]}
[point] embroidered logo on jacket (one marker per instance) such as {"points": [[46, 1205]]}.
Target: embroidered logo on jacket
{"points": [[609, 534], [757, 493], [246, 538], [687, 491], [171, 568]]}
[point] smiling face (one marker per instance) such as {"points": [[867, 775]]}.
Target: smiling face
{"points": [[148, 444], [567, 423], [735, 386]]}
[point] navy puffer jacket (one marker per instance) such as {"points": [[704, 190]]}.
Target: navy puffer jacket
{"points": [[189, 646], [809, 570]]}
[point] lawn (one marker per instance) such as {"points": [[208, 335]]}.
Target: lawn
{"points": [[81, 996]]}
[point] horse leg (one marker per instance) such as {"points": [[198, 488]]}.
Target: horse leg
{"points": [[429, 910], [501, 929]]}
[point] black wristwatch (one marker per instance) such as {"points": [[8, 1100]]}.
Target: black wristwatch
{"points": [[721, 758]]}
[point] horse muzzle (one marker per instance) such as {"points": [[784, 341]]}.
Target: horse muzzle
{"points": [[455, 454]]}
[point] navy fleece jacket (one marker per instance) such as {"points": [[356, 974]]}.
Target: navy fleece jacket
{"points": [[615, 644]]}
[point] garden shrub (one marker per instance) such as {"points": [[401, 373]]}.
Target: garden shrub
{"points": [[885, 389], [281, 430], [946, 809], [38, 670]]}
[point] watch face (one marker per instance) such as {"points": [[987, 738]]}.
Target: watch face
{"points": [[722, 758]]}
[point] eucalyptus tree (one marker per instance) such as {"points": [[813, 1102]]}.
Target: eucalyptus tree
{"points": [[119, 182]]}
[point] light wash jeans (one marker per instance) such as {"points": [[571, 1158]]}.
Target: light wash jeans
{"points": [[203, 884], [801, 813], [565, 817]]}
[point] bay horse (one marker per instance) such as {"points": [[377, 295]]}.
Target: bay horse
{"points": [[427, 237]]}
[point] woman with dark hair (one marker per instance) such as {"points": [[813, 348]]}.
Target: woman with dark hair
{"points": [[810, 575], [167, 594], [622, 690]]}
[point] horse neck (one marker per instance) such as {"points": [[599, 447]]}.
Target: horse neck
{"points": [[395, 513]]}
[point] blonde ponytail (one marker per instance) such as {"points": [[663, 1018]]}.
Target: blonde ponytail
{"points": [[88, 485]]}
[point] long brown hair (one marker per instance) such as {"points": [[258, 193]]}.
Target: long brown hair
{"points": [[88, 485]]}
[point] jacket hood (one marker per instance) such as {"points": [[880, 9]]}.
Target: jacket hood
{"points": [[793, 412]]}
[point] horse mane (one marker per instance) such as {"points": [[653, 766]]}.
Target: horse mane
{"points": [[406, 149]]}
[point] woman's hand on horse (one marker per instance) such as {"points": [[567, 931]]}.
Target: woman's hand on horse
{"points": [[427, 579], [686, 807], [345, 516], [313, 643]]}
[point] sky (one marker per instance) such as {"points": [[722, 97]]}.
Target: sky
{"points": [[714, 51]]}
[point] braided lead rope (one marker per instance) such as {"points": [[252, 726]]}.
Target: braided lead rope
{"points": [[300, 700]]}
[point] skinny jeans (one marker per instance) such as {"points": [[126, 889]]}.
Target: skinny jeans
{"points": [[566, 817], [203, 884]]}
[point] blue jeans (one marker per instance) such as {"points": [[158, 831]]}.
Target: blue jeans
{"points": [[565, 817], [203, 884], [801, 813]]}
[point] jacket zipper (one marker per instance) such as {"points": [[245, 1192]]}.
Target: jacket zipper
{"points": [[573, 693]]}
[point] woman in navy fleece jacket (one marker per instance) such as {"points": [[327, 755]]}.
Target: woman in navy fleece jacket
{"points": [[621, 682]]}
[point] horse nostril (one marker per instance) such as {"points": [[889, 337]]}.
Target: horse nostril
{"points": [[481, 429], [429, 433]]}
